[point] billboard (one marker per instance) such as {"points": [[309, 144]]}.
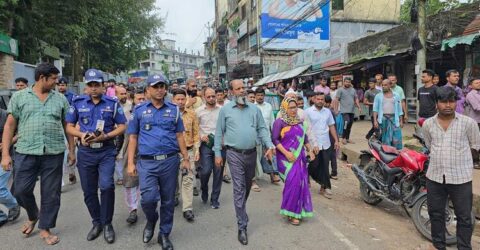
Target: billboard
{"points": [[295, 24]]}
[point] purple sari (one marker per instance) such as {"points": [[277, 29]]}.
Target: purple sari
{"points": [[297, 201]]}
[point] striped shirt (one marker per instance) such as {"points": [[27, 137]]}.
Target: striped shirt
{"points": [[40, 124], [450, 155]]}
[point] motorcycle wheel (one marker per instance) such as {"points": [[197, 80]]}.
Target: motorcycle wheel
{"points": [[421, 220], [367, 194]]}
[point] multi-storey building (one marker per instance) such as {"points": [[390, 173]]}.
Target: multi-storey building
{"points": [[174, 63]]}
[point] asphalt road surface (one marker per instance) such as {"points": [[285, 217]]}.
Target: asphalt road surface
{"points": [[344, 222]]}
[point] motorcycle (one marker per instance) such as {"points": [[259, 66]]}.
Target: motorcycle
{"points": [[399, 176]]}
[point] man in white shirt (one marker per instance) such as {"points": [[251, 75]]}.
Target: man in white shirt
{"points": [[267, 113], [321, 126]]}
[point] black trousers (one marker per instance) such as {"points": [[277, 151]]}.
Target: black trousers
{"points": [[372, 130], [333, 160], [50, 169], [461, 196], [347, 124], [319, 170]]}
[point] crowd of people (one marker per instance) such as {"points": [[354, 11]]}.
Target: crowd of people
{"points": [[164, 143]]}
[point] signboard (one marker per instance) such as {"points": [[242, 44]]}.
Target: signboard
{"points": [[222, 70], [329, 56], [242, 29], [253, 60], [8, 45], [298, 24], [301, 59], [232, 56]]}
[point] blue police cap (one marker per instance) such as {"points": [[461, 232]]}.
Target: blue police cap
{"points": [[155, 79], [63, 80], [93, 75]]}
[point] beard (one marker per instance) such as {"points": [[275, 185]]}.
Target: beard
{"points": [[192, 93], [241, 100]]}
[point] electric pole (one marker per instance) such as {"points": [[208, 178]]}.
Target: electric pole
{"points": [[422, 53]]}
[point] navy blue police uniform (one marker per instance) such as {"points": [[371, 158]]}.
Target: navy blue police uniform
{"points": [[96, 163], [158, 159]]}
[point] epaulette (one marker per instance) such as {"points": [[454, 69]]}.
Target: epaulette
{"points": [[109, 98], [79, 98]]}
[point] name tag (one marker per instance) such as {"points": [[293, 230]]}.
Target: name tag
{"points": [[100, 125], [84, 110]]}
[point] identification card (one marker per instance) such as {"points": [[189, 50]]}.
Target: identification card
{"points": [[100, 125]]}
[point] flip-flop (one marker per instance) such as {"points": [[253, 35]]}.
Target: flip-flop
{"points": [[29, 225], [295, 222], [256, 188], [50, 239]]}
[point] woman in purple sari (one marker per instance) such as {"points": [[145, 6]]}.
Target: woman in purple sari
{"points": [[289, 137]]}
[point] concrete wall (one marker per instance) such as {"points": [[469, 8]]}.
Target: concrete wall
{"points": [[369, 10]]}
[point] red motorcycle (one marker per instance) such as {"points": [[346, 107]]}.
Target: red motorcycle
{"points": [[398, 176]]}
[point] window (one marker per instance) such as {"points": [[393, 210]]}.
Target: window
{"points": [[191, 61], [166, 57], [338, 4], [253, 3]]}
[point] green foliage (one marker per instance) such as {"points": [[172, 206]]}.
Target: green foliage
{"points": [[433, 7], [111, 34]]}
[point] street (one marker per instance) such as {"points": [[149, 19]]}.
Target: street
{"points": [[344, 222]]}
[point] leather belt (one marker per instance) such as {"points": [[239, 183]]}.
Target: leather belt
{"points": [[97, 145], [157, 157], [242, 151]]}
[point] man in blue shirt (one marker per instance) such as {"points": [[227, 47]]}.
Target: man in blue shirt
{"points": [[239, 125], [62, 87], [156, 127], [100, 120]]}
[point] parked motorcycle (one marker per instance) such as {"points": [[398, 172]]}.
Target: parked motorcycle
{"points": [[398, 176]]}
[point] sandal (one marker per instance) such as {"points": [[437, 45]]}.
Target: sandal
{"points": [[275, 179], [256, 188], [295, 222], [50, 239], [28, 227]]}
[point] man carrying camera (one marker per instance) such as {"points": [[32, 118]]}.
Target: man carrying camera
{"points": [[100, 120]]}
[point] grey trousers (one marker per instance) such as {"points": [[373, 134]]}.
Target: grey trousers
{"points": [[242, 169]]}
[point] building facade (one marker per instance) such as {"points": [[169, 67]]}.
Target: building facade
{"points": [[173, 62]]}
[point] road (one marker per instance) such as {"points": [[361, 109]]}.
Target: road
{"points": [[344, 222]]}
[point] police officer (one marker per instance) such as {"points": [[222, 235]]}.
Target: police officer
{"points": [[100, 119], [62, 87], [157, 128]]}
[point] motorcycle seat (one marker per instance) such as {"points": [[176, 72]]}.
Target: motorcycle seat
{"points": [[386, 154]]}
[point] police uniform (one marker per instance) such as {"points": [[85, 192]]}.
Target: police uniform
{"points": [[96, 163], [69, 95], [158, 159]]}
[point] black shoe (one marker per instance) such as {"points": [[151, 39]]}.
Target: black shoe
{"points": [[132, 218], [227, 179], [165, 242], [242, 236], [94, 232], [148, 232], [3, 222], [334, 177], [215, 205], [195, 191], [108, 233], [188, 215], [176, 201], [13, 213]]}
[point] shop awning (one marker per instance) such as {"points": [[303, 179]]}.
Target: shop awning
{"points": [[337, 67], [454, 41], [282, 75]]}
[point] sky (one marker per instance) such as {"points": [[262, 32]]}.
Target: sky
{"points": [[187, 19]]}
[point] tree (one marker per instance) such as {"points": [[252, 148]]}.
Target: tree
{"points": [[433, 7], [106, 34]]}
